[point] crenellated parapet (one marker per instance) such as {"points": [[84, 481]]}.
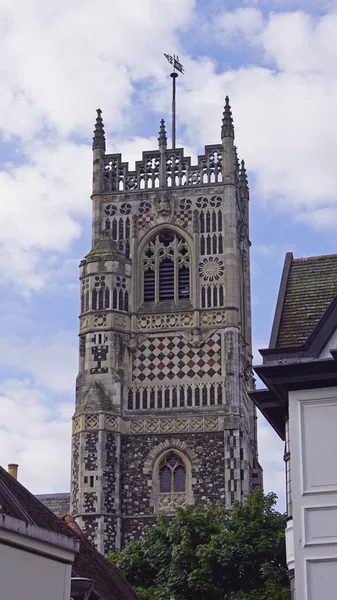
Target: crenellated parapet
{"points": [[178, 170]]}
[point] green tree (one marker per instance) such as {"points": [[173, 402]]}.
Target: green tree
{"points": [[211, 554]]}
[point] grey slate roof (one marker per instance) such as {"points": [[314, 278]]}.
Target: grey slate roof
{"points": [[59, 504], [308, 287], [18, 502]]}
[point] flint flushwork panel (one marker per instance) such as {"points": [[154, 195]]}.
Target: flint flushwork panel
{"points": [[171, 357]]}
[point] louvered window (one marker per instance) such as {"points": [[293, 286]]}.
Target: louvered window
{"points": [[166, 268]]}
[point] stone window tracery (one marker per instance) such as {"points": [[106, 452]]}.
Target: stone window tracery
{"points": [[166, 268], [172, 474], [100, 294], [172, 482]]}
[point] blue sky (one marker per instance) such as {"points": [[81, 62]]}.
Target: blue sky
{"points": [[277, 62]]}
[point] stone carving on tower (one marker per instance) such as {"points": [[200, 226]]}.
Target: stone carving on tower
{"points": [[163, 418]]}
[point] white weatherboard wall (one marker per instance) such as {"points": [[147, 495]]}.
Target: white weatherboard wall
{"points": [[35, 564], [313, 452]]}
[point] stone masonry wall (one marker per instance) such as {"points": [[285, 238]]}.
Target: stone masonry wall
{"points": [[109, 473], [75, 473], [208, 448], [90, 456]]}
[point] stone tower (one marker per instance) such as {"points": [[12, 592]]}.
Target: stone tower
{"points": [[163, 418]]}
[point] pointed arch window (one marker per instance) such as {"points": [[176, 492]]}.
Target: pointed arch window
{"points": [[172, 474], [166, 268]]}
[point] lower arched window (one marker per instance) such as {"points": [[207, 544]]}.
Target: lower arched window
{"points": [[172, 474]]}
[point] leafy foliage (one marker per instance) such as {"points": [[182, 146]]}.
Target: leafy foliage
{"points": [[211, 554]]}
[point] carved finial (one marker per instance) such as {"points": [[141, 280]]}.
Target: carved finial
{"points": [[227, 129], [162, 134], [98, 141], [243, 177]]}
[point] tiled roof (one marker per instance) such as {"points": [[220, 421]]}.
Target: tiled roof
{"points": [[59, 504], [109, 582], [310, 289]]}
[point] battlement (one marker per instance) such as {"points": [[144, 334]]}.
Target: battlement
{"points": [[168, 168]]}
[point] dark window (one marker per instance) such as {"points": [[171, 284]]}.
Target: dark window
{"points": [[107, 298], [213, 221], [165, 480], [179, 479], [114, 298], [130, 400], [172, 474], [127, 228], [120, 300], [94, 299], [166, 267], [121, 229], [208, 222], [197, 396], [202, 222], [214, 244], [219, 221], [114, 229], [166, 279], [202, 245], [149, 286], [184, 282]]}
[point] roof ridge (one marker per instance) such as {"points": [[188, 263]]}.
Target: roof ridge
{"points": [[305, 258]]}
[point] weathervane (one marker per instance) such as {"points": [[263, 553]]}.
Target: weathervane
{"points": [[177, 66]]}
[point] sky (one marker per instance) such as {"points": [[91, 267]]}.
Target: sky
{"points": [[277, 61]]}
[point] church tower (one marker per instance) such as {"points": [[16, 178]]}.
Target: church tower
{"points": [[163, 418]]}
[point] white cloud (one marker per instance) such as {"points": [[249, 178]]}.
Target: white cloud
{"points": [[58, 63], [51, 363], [243, 22], [321, 219], [35, 435]]}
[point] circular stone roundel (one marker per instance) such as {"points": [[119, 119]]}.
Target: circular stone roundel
{"points": [[211, 269]]}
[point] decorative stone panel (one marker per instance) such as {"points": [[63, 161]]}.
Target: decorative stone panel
{"points": [[110, 423], [91, 422], [165, 321], [172, 501], [171, 357], [177, 425], [213, 317], [77, 423]]}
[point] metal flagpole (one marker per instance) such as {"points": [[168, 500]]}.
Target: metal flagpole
{"points": [[177, 66], [174, 76]]}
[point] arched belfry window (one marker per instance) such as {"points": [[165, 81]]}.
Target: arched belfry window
{"points": [[172, 474], [166, 267]]}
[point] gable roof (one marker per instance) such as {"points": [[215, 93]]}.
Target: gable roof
{"points": [[18, 502], [308, 287]]}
